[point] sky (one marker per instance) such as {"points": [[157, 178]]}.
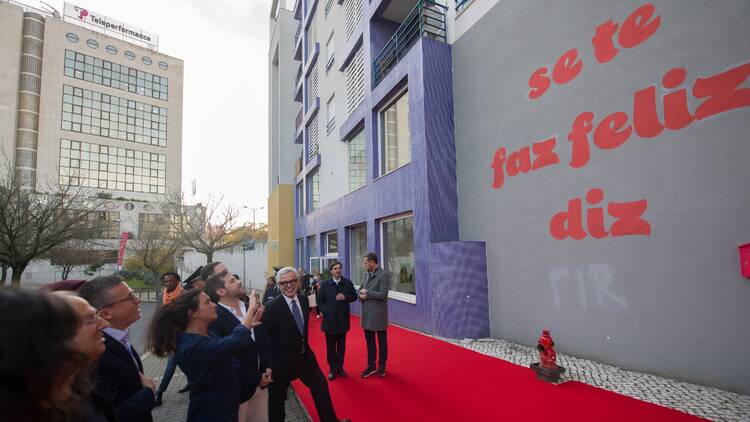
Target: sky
{"points": [[224, 44]]}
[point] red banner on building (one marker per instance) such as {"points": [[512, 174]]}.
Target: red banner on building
{"points": [[121, 252]]}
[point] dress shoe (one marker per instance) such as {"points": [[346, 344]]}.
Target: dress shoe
{"points": [[184, 390], [367, 372], [345, 420], [342, 373], [331, 376], [381, 372]]}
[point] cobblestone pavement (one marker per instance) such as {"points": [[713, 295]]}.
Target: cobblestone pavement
{"points": [[705, 402], [174, 407]]}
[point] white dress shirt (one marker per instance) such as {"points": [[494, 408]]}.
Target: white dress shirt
{"points": [[241, 316]]}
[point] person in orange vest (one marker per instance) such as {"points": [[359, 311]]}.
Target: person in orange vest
{"points": [[172, 290]]}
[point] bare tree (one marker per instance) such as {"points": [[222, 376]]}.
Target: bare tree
{"points": [[33, 222], [207, 229], [155, 251]]}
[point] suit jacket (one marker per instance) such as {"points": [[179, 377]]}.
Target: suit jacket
{"points": [[250, 369], [375, 308], [335, 313], [291, 350], [271, 293], [118, 380]]}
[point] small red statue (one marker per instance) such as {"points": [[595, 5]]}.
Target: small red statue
{"points": [[546, 348], [547, 369]]}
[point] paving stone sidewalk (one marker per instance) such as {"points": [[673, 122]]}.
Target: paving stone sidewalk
{"points": [[174, 407], [706, 402]]}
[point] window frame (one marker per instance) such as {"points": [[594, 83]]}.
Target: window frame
{"points": [[381, 132], [330, 52], [393, 294]]}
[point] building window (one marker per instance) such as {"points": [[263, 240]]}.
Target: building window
{"points": [[113, 168], [152, 224], [103, 72], [111, 49], [147, 61], [301, 253], [397, 254], [357, 251], [163, 65], [71, 37], [105, 224], [331, 114], [395, 142], [130, 55], [94, 113], [312, 252], [92, 44], [300, 201], [313, 193], [357, 164], [332, 243], [330, 52]]}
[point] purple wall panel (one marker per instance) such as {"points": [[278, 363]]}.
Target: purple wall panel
{"points": [[451, 278]]}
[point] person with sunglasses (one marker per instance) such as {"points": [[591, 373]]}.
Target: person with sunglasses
{"points": [[119, 376]]}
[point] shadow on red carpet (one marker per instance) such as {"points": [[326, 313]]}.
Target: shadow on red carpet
{"points": [[431, 380]]}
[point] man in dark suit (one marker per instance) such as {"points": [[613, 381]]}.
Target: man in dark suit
{"points": [[119, 376], [225, 290], [286, 321], [304, 280], [334, 297]]}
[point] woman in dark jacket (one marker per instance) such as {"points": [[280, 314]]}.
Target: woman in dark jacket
{"points": [[210, 364]]}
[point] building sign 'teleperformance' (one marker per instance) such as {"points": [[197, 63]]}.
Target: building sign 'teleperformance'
{"points": [[108, 24]]}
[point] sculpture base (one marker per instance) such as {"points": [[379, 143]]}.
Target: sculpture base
{"points": [[547, 374]]}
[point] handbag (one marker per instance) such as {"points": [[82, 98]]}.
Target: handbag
{"points": [[312, 300]]}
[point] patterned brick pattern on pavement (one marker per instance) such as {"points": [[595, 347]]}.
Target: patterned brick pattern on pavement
{"points": [[706, 402], [174, 407]]}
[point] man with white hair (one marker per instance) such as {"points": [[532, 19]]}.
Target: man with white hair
{"points": [[286, 321]]}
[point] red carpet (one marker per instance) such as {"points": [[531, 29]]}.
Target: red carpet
{"points": [[430, 380]]}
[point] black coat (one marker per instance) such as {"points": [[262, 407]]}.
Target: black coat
{"points": [[118, 381], [335, 313], [271, 293], [250, 369], [291, 350]]}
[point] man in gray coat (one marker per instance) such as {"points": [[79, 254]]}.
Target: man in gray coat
{"points": [[374, 296]]}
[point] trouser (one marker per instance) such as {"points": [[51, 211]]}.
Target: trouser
{"points": [[168, 374], [255, 409], [315, 381], [383, 348], [336, 346]]}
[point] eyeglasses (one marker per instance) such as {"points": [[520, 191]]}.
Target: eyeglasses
{"points": [[285, 283], [131, 297]]}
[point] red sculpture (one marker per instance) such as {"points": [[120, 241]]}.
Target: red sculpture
{"points": [[547, 369], [546, 348]]}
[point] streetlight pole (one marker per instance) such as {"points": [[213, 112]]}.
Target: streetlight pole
{"points": [[253, 210]]}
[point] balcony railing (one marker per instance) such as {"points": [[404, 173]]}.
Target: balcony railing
{"points": [[426, 19], [298, 120]]}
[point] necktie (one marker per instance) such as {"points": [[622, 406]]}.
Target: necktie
{"points": [[298, 318]]}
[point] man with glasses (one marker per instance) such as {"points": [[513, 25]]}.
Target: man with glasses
{"points": [[119, 376], [286, 321]]}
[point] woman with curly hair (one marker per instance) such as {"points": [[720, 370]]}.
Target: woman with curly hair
{"points": [[210, 364], [39, 361]]}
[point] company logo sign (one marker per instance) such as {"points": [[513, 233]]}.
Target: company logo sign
{"points": [[108, 24]]}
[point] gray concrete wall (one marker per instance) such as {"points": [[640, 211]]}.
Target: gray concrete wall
{"points": [[11, 21], [670, 301]]}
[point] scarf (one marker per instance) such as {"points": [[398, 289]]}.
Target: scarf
{"points": [[170, 296]]}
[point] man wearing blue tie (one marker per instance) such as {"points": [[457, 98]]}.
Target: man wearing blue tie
{"points": [[286, 322]]}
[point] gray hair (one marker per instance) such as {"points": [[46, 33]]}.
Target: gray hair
{"points": [[284, 271], [96, 291]]}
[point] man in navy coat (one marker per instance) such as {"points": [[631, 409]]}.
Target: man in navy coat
{"points": [[119, 377], [334, 298], [225, 290]]}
